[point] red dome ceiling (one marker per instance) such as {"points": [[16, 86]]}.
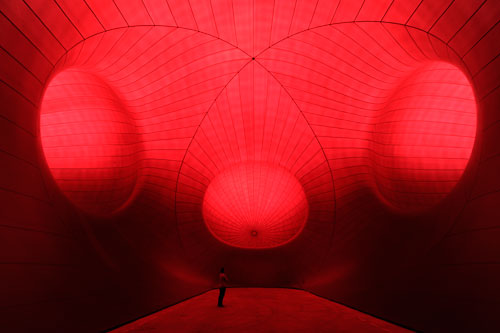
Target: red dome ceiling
{"points": [[174, 108]]}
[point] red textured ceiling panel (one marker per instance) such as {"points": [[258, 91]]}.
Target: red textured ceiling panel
{"points": [[381, 72], [254, 120], [198, 105]]}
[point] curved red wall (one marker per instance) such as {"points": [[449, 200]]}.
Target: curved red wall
{"points": [[369, 128]]}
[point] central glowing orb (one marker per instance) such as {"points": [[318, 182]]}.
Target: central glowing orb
{"points": [[255, 205]]}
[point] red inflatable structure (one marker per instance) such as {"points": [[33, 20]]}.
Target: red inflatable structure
{"points": [[347, 148]]}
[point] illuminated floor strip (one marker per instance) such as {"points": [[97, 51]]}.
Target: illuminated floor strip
{"points": [[259, 310]]}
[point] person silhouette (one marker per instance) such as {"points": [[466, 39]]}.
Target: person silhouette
{"points": [[222, 286]]}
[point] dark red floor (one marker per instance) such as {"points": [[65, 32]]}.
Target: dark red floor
{"points": [[259, 310]]}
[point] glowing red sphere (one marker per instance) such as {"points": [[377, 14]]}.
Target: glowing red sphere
{"points": [[89, 141], [424, 136], [255, 205]]}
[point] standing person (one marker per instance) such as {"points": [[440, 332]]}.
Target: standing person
{"points": [[222, 286]]}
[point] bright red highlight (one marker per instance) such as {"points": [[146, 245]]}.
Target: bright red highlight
{"points": [[90, 142], [424, 136], [255, 205]]}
